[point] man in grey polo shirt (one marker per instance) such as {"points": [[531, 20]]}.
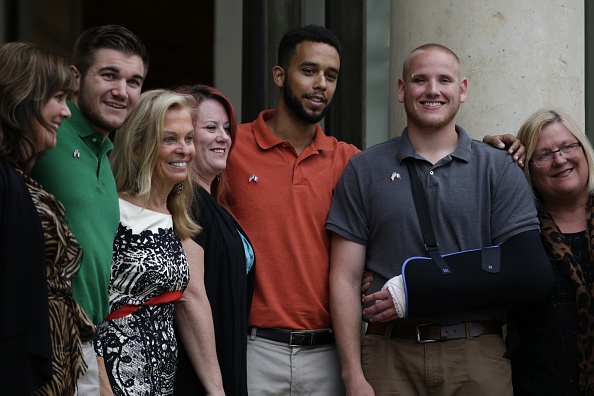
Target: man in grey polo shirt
{"points": [[477, 197]]}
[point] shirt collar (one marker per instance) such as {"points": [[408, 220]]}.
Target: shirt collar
{"points": [[79, 123], [404, 148], [267, 140]]}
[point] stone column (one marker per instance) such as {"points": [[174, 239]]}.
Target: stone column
{"points": [[519, 56]]}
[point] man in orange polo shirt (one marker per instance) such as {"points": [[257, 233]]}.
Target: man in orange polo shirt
{"points": [[282, 173]]}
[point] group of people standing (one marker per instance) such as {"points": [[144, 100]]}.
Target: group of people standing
{"points": [[197, 256]]}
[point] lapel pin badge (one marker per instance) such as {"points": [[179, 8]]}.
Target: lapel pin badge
{"points": [[395, 175], [76, 154], [253, 178]]}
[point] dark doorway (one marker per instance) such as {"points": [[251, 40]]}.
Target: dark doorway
{"points": [[178, 35]]}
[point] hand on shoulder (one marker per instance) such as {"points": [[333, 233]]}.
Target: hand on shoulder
{"points": [[513, 145]]}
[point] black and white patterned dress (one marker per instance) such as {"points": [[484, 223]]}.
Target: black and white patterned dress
{"points": [[140, 349]]}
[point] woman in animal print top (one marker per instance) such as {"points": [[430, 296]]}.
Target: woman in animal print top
{"points": [[553, 353], [41, 326]]}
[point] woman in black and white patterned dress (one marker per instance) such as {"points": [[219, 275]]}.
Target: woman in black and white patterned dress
{"points": [[151, 158]]}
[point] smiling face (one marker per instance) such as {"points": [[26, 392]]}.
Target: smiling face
{"points": [[110, 89], [176, 151], [310, 80], [564, 178], [212, 138], [432, 90], [54, 111]]}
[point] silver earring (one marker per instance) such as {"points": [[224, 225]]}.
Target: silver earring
{"points": [[179, 186]]}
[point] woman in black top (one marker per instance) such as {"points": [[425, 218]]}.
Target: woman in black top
{"points": [[41, 326], [212, 316], [553, 342]]}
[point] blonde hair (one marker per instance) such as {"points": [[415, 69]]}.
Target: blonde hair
{"points": [[136, 149], [530, 132]]}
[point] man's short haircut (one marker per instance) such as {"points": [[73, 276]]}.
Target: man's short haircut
{"points": [[295, 36], [428, 47], [110, 37]]}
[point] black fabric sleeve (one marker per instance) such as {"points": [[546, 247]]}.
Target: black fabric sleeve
{"points": [[25, 343], [516, 271]]}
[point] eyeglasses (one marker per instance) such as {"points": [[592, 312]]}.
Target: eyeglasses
{"points": [[545, 159]]}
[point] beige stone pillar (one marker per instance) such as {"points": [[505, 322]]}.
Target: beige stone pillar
{"points": [[518, 56]]}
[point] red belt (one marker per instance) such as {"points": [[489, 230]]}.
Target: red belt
{"points": [[128, 309], [433, 332]]}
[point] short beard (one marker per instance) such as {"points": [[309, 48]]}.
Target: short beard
{"points": [[91, 114], [297, 108]]}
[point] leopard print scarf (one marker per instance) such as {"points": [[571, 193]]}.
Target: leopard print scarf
{"points": [[557, 246]]}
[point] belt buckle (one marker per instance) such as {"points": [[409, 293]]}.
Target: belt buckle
{"points": [[418, 331], [304, 336]]}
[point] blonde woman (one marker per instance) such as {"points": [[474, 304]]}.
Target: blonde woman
{"points": [[554, 340], [153, 153]]}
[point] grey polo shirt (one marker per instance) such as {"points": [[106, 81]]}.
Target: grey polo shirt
{"points": [[477, 197]]}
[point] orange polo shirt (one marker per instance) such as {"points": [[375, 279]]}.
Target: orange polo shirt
{"points": [[282, 201]]}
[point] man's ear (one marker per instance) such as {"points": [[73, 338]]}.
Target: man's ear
{"points": [[77, 75], [278, 75], [401, 90], [463, 90]]}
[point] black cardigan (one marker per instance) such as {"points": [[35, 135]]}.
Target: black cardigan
{"points": [[25, 345], [229, 291]]}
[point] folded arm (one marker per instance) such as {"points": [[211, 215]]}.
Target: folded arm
{"points": [[525, 275]]}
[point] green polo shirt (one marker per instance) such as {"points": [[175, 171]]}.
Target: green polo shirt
{"points": [[78, 173]]}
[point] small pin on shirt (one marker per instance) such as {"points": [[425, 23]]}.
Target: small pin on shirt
{"points": [[395, 176], [253, 178], [76, 154]]}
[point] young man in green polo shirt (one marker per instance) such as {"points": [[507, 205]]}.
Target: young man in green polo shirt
{"points": [[110, 65]]}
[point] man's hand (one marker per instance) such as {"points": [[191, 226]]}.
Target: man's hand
{"points": [[511, 143], [366, 282], [359, 387], [383, 310]]}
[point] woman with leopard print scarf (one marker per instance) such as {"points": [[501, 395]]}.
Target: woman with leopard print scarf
{"points": [[41, 325], [556, 338]]}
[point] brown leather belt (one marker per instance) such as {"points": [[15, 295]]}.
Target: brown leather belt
{"points": [[433, 332]]}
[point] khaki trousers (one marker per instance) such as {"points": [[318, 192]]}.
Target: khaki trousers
{"points": [[88, 384], [470, 366], [276, 369]]}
